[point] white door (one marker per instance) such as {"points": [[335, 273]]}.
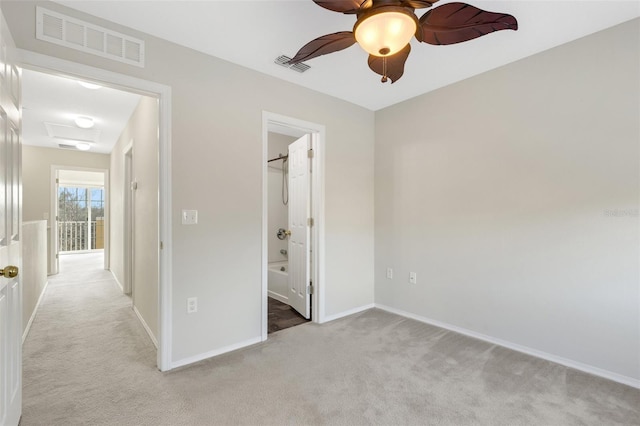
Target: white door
{"points": [[10, 223], [299, 211]]}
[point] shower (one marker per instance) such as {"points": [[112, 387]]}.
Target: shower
{"points": [[285, 176]]}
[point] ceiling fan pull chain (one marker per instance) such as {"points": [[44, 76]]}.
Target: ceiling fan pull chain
{"points": [[384, 69]]}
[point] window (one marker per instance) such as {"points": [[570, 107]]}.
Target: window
{"points": [[80, 218]]}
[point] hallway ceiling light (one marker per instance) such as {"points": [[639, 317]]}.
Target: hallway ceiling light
{"points": [[84, 122], [384, 29], [83, 146], [88, 85]]}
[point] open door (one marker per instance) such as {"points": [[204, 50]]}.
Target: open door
{"points": [[10, 224], [299, 284]]}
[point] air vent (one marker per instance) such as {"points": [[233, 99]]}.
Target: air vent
{"points": [[283, 60], [62, 131], [80, 35], [64, 146]]}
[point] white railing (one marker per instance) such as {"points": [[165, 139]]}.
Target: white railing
{"points": [[74, 236]]}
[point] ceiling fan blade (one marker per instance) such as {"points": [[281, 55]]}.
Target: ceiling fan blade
{"points": [[344, 6], [457, 22], [394, 66], [322, 45], [418, 4]]}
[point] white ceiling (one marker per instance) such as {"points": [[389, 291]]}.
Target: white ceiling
{"points": [[56, 100], [254, 33]]}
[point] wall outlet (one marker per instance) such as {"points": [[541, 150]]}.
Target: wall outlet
{"points": [[389, 273], [192, 305], [413, 279]]}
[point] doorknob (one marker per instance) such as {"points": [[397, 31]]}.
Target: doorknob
{"points": [[9, 271]]}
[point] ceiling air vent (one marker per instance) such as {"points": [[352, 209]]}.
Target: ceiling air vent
{"points": [[282, 61], [65, 146], [75, 34]]}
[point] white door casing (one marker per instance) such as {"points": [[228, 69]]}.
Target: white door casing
{"points": [[299, 213], [10, 225]]}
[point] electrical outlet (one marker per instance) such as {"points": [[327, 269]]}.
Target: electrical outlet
{"points": [[413, 279], [192, 305], [389, 273]]}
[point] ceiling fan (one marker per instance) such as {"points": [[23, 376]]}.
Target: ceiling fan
{"points": [[384, 29]]}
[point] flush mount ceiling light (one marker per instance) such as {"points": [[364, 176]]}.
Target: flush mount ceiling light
{"points": [[88, 85], [84, 122], [83, 146], [384, 29]]}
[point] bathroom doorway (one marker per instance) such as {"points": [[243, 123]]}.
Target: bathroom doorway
{"points": [[292, 223]]}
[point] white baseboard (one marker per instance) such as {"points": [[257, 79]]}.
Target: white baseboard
{"points": [[146, 327], [278, 297], [117, 281], [33, 314], [630, 381], [211, 354], [347, 313]]}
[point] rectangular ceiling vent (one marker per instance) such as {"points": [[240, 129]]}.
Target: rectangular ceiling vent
{"points": [[65, 146], [282, 61], [71, 133], [80, 35]]}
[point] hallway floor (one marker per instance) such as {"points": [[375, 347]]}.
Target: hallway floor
{"points": [[83, 335]]}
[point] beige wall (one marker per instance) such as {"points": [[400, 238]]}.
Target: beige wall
{"points": [[217, 169], [514, 196], [142, 130], [36, 178]]}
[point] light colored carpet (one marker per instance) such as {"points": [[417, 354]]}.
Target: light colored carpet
{"points": [[88, 361]]}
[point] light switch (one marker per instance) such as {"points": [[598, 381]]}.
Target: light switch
{"points": [[189, 217]]}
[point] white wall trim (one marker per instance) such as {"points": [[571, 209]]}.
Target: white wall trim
{"points": [[518, 348], [318, 132], [118, 283], [33, 314], [52, 65], [211, 354], [348, 312], [146, 327], [278, 297]]}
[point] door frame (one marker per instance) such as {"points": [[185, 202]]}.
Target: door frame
{"points": [[318, 133], [129, 222], [53, 234], [61, 67]]}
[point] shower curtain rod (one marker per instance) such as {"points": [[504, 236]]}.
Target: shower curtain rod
{"points": [[282, 157]]}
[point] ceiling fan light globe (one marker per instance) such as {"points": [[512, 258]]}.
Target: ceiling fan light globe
{"points": [[385, 32]]}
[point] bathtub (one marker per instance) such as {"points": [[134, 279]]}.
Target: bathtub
{"points": [[277, 280]]}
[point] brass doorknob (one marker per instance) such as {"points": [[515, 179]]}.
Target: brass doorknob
{"points": [[9, 271], [287, 233]]}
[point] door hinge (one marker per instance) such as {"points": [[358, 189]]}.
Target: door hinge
{"points": [[310, 221], [56, 255], [57, 180], [310, 288], [56, 218], [310, 153], [161, 245]]}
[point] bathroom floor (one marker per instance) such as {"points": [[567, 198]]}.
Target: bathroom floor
{"points": [[282, 316]]}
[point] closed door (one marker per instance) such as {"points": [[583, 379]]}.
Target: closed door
{"points": [[299, 210], [10, 223]]}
